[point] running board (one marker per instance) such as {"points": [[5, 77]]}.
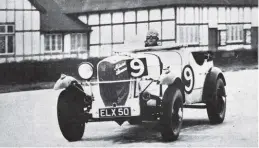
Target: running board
{"points": [[198, 106]]}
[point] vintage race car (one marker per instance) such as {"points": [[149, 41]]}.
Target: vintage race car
{"points": [[144, 84]]}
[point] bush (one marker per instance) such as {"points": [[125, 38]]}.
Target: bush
{"points": [[240, 56], [40, 71]]}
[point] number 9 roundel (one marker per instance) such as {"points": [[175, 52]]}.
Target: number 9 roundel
{"points": [[137, 67], [188, 79]]}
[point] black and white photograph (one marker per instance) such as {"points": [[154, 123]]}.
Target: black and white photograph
{"points": [[129, 73]]}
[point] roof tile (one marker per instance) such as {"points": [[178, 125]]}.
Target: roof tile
{"points": [[82, 6]]}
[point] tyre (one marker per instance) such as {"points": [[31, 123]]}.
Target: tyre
{"points": [[70, 112], [216, 106], [172, 117]]}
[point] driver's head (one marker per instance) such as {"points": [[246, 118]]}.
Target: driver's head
{"points": [[151, 38]]}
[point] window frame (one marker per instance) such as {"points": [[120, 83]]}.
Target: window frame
{"points": [[6, 34], [184, 30], [50, 36], [134, 21], [76, 48], [246, 30], [200, 20], [229, 35], [243, 19], [220, 37]]}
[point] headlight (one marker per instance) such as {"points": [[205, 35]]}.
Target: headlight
{"points": [[85, 70]]}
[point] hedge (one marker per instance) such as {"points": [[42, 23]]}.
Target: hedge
{"points": [[49, 71], [241, 56], [40, 71]]}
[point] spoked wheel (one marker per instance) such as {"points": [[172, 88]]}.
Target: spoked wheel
{"points": [[216, 106], [172, 118], [70, 114]]}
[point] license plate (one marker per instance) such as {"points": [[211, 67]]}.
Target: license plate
{"points": [[114, 112]]}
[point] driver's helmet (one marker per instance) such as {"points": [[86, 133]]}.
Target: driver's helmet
{"points": [[152, 33]]}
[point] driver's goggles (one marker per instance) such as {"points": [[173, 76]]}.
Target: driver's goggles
{"points": [[151, 37]]}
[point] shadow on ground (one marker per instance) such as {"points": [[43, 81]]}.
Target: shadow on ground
{"points": [[148, 132]]}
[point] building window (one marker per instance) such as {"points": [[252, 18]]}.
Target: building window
{"points": [[247, 36], [93, 19], [188, 34], [155, 14], [168, 13], [78, 42], [118, 34], [192, 26], [142, 29], [6, 39], [105, 18], [117, 17], [222, 37], [53, 43], [106, 34], [113, 29], [235, 33], [130, 16], [117, 28], [95, 35], [168, 30]]}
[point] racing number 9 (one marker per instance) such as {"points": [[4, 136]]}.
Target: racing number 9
{"points": [[137, 67], [188, 78]]}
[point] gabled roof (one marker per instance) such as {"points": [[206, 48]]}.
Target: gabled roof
{"points": [[37, 5], [82, 6], [53, 20]]}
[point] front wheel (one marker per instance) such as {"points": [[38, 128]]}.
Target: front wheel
{"points": [[172, 117], [216, 106], [69, 111]]}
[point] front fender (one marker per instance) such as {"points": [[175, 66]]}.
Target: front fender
{"points": [[172, 79], [64, 82], [168, 77], [210, 82]]}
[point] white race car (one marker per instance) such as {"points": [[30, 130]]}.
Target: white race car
{"points": [[146, 84]]}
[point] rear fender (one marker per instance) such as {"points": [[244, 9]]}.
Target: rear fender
{"points": [[210, 83]]}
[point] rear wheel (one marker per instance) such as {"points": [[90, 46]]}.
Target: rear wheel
{"points": [[70, 110], [216, 106], [172, 117]]}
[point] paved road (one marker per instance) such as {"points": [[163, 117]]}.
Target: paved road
{"points": [[29, 119]]}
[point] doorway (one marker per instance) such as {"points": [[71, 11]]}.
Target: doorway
{"points": [[213, 39]]}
